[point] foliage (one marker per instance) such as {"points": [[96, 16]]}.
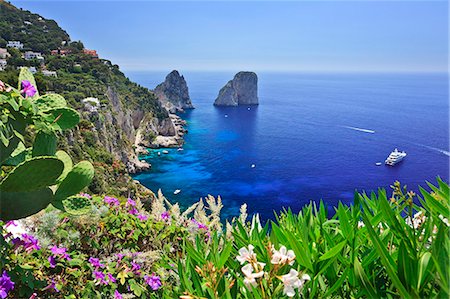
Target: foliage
{"points": [[379, 247], [25, 188], [37, 33]]}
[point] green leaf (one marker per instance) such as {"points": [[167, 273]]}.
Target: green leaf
{"points": [[333, 251], [226, 251], [18, 155], [33, 174]]}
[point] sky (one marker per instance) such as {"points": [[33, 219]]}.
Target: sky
{"points": [[321, 36]]}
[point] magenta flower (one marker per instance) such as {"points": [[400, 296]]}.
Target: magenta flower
{"points": [[153, 281], [117, 295], [165, 215], [99, 275], [88, 196], [133, 211], [111, 278], [95, 262], [130, 202], [9, 223], [112, 201], [52, 261], [142, 217], [2, 86], [120, 256], [200, 225], [28, 89], [135, 268], [6, 285], [61, 251], [52, 285], [29, 242]]}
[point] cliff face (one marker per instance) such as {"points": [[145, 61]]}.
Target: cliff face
{"points": [[173, 93], [242, 90]]}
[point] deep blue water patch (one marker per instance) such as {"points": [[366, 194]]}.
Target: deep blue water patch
{"points": [[313, 136]]}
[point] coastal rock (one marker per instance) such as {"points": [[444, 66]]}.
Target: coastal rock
{"points": [[242, 90], [173, 93]]}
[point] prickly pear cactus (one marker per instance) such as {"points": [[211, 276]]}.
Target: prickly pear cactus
{"points": [[44, 144], [33, 174], [76, 180], [40, 170], [77, 205]]}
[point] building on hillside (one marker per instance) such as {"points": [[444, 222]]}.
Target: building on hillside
{"points": [[60, 52], [32, 70], [14, 44], [93, 53], [91, 104], [27, 23], [49, 73], [4, 53], [3, 64], [30, 55]]}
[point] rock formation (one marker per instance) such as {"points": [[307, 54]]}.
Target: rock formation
{"points": [[173, 93], [242, 90]]}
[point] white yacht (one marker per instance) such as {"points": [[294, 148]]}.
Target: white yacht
{"points": [[395, 157]]}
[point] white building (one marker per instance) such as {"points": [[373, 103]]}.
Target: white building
{"points": [[49, 73], [29, 55], [91, 104], [4, 53], [3, 64], [14, 44], [32, 70]]}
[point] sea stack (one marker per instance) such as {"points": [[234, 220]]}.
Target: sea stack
{"points": [[242, 90], [173, 93]]}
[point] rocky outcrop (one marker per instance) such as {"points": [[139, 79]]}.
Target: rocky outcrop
{"points": [[173, 93], [242, 90]]}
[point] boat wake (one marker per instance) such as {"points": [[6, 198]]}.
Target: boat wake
{"points": [[447, 153], [360, 129]]}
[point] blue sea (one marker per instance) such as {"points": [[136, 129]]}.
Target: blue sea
{"points": [[313, 136]]}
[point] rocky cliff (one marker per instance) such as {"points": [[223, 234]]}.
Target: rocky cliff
{"points": [[173, 93], [242, 90]]}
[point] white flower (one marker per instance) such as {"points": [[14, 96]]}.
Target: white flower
{"points": [[292, 282], [282, 256], [250, 277], [246, 255], [445, 220]]}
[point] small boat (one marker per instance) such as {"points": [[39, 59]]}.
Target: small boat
{"points": [[180, 149], [176, 191], [378, 163], [395, 157], [165, 152], [253, 165], [248, 108], [159, 153], [226, 115]]}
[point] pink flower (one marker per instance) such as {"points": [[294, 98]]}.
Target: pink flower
{"points": [[95, 262], [133, 211], [117, 295], [130, 202], [142, 217], [28, 89], [112, 201], [2, 86], [165, 215]]}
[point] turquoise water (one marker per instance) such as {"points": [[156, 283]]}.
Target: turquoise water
{"points": [[305, 139]]}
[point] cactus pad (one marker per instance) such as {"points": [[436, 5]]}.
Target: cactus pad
{"points": [[66, 118], [17, 205], [68, 164], [33, 174], [77, 205], [76, 180], [50, 101], [44, 144]]}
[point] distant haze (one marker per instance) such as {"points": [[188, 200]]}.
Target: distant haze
{"points": [[360, 36]]}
